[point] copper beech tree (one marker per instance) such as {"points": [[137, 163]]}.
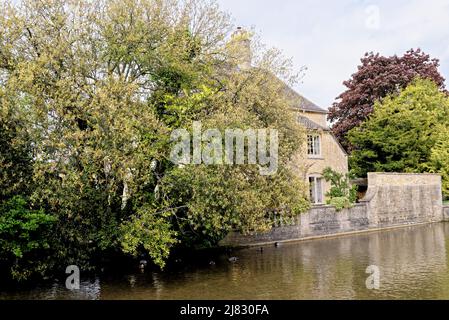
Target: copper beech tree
{"points": [[377, 77]]}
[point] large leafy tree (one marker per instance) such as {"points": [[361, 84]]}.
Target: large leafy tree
{"points": [[89, 93], [207, 201], [377, 77], [404, 134]]}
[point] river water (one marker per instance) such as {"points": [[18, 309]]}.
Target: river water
{"points": [[413, 263]]}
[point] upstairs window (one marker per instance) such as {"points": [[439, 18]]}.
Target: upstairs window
{"points": [[313, 145]]}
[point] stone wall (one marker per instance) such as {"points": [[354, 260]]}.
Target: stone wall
{"points": [[317, 222], [392, 200], [400, 198], [446, 213]]}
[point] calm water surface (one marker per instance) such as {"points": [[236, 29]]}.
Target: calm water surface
{"points": [[413, 262]]}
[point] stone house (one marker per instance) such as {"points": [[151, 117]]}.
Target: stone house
{"points": [[321, 148]]}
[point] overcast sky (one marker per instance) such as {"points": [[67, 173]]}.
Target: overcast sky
{"points": [[330, 36]]}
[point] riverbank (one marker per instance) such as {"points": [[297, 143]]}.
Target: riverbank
{"points": [[393, 200]]}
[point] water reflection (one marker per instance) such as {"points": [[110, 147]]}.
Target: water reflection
{"points": [[89, 290], [413, 264]]}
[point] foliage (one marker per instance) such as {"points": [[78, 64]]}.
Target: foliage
{"points": [[24, 237], [439, 157], [215, 205], [89, 93], [377, 77], [152, 231], [341, 194], [15, 150], [340, 203], [405, 133]]}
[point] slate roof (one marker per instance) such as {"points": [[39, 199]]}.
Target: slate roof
{"points": [[301, 103], [297, 101], [309, 124]]}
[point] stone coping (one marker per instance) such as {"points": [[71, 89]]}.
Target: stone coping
{"points": [[318, 206], [407, 174], [330, 236]]}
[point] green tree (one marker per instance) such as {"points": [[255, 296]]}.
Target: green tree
{"points": [[83, 79], [403, 131], [377, 77], [24, 237], [206, 201], [439, 157], [89, 93]]}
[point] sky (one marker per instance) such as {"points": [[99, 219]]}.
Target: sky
{"points": [[329, 37]]}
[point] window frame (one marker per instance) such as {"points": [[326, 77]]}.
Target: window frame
{"points": [[315, 192], [314, 145]]}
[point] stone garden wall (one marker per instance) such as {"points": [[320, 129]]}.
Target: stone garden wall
{"points": [[392, 200], [446, 213]]}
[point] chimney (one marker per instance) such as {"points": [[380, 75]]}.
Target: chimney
{"points": [[241, 48]]}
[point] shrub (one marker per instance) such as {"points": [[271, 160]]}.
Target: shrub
{"points": [[341, 194], [340, 203], [23, 236]]}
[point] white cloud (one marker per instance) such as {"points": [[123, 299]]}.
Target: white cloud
{"points": [[330, 37]]}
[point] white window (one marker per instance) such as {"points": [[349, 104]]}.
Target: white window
{"points": [[313, 145], [316, 190]]}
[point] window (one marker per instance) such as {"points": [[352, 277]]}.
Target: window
{"points": [[313, 145], [316, 189]]}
